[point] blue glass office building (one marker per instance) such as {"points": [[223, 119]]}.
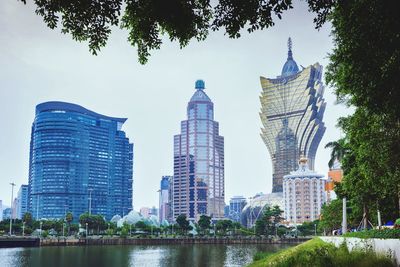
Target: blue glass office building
{"points": [[79, 160]]}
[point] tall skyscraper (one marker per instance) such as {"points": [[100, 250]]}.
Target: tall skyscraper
{"points": [[22, 201], [292, 108], [303, 193], [80, 161], [198, 181], [164, 199]]}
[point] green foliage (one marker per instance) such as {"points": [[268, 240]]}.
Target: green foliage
{"points": [[94, 222], [267, 223], [183, 223], [27, 218], [364, 72], [45, 234], [308, 228], [204, 223], [147, 21], [320, 254], [397, 222], [376, 233], [223, 225]]}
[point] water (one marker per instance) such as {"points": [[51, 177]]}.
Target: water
{"points": [[142, 256]]}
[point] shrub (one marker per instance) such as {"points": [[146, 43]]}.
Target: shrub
{"points": [[376, 233]]}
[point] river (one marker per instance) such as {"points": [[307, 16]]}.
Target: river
{"points": [[134, 255]]}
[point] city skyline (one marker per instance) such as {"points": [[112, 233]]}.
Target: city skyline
{"points": [[60, 69]]}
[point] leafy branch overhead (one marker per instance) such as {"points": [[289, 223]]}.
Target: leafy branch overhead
{"points": [[147, 21]]}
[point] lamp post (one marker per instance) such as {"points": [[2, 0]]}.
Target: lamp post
{"points": [[41, 223], [86, 230], [315, 229], [90, 201], [12, 196], [23, 228]]}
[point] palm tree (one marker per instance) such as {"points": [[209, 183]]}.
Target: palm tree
{"points": [[339, 150]]}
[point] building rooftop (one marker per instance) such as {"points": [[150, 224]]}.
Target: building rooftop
{"points": [[65, 106]]}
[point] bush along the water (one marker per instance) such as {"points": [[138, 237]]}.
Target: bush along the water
{"points": [[376, 233], [320, 254]]}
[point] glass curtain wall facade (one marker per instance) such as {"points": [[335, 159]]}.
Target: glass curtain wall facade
{"points": [[292, 109], [236, 205], [79, 161], [198, 181], [164, 204], [22, 201]]}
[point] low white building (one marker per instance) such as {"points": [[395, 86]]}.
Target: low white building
{"points": [[304, 194]]}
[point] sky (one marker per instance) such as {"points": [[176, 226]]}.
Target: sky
{"points": [[38, 64]]}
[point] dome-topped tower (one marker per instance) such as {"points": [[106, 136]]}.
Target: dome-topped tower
{"points": [[290, 66], [200, 95]]}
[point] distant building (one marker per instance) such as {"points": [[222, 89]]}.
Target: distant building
{"points": [[145, 212], [256, 205], [1, 210], [164, 199], [6, 213], [292, 108], [226, 211], [303, 192], [236, 205], [153, 211], [199, 161], [79, 161], [334, 176], [14, 208], [22, 201]]}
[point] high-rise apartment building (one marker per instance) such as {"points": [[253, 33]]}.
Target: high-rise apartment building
{"points": [[80, 161], [22, 201], [164, 199], [292, 108], [303, 193], [198, 181]]}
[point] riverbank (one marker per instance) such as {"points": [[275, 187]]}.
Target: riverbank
{"points": [[99, 241], [318, 253]]}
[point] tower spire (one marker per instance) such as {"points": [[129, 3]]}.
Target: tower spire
{"points": [[289, 44]]}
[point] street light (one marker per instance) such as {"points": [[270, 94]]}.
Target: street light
{"points": [[41, 223], [23, 228], [12, 196], [315, 229], [86, 230], [90, 201]]}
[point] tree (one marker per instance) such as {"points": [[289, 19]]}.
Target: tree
{"points": [[204, 223], [267, 224], [224, 225], [27, 218], [183, 223], [338, 151], [69, 218], [147, 21]]}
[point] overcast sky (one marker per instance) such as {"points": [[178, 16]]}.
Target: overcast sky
{"points": [[38, 64]]}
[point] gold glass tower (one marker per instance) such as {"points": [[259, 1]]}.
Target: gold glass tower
{"points": [[292, 108]]}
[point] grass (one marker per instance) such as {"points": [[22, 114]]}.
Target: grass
{"points": [[317, 253]]}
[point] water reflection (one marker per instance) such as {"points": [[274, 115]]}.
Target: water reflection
{"points": [[143, 256]]}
